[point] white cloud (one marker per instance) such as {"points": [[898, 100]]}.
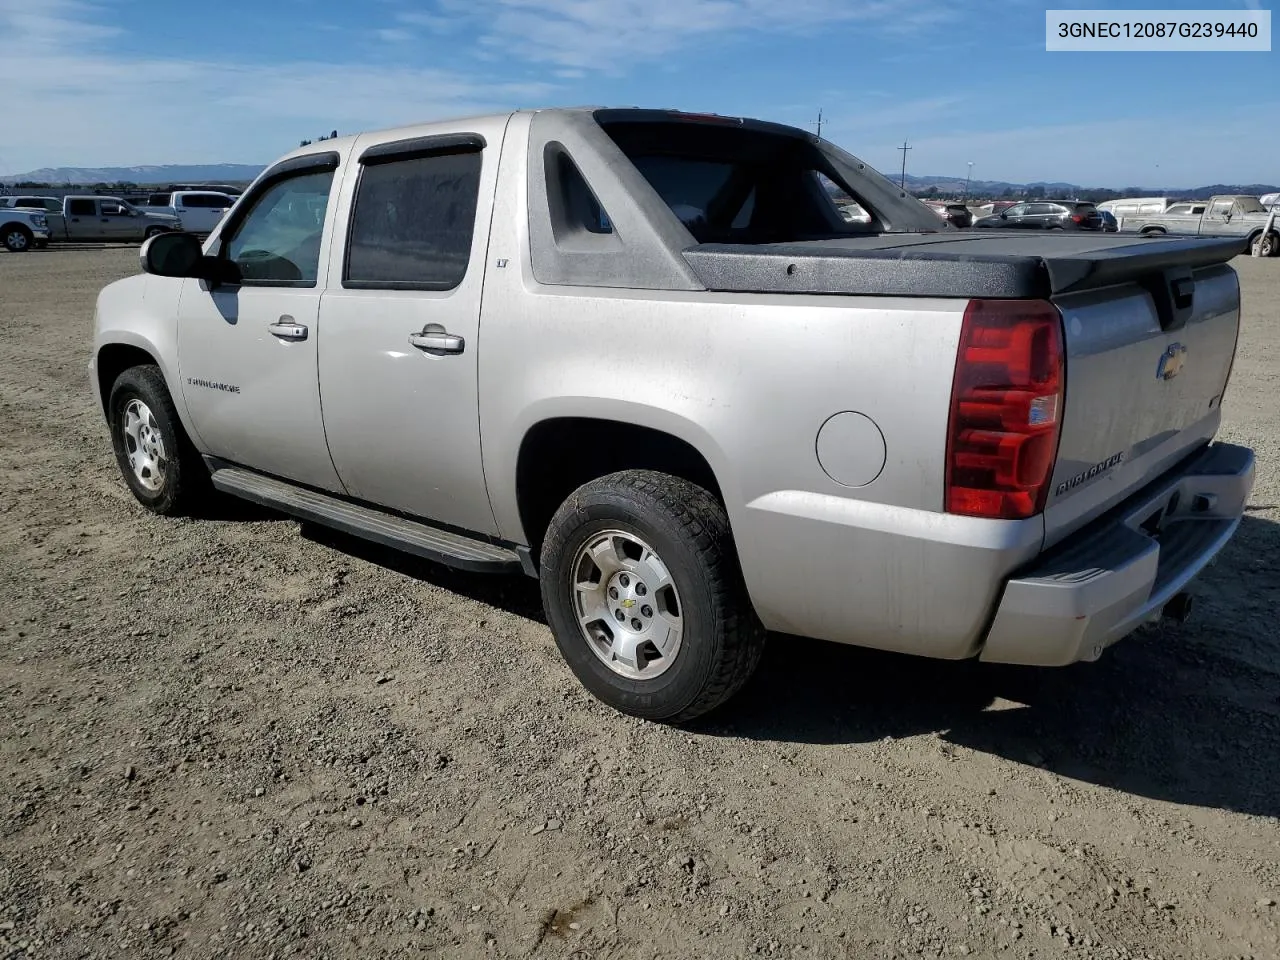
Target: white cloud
{"points": [[611, 35], [78, 103], [1087, 153]]}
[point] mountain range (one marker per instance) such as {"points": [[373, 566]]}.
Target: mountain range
{"points": [[165, 173], [918, 185]]}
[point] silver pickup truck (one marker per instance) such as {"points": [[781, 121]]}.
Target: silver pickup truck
{"points": [[1224, 216], [641, 356]]}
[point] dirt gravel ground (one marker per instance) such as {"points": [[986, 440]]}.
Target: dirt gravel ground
{"points": [[236, 737]]}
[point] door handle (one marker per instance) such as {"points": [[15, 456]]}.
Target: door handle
{"points": [[286, 328], [436, 340]]}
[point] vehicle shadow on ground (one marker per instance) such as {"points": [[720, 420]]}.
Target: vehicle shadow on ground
{"points": [[517, 594], [1189, 714]]}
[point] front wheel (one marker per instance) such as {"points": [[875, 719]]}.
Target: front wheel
{"points": [[1268, 246], [17, 239], [154, 232], [642, 589], [162, 469]]}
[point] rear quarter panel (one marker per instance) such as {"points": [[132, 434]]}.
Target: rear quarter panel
{"points": [[749, 381]]}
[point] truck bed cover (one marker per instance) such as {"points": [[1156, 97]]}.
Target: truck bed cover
{"points": [[996, 264]]}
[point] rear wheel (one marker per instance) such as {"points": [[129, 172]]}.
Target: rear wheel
{"points": [[17, 238], [1154, 232], [162, 469], [1268, 246], [641, 586]]}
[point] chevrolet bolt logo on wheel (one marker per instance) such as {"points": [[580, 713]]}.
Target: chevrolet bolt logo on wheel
{"points": [[1171, 362]]}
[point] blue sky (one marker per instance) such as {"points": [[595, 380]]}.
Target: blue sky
{"points": [[125, 82]]}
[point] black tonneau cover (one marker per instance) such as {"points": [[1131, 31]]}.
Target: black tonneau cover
{"points": [[953, 263]]}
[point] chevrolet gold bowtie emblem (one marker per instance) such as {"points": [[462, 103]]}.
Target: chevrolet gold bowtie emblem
{"points": [[628, 604]]}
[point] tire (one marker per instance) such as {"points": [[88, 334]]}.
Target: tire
{"points": [[1157, 232], [17, 238], [1268, 246], [686, 531], [159, 464], [153, 232], [1059, 229], [42, 244]]}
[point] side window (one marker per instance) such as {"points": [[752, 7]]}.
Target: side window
{"points": [[1017, 210], [278, 239], [413, 222], [1220, 209], [81, 207], [112, 209]]}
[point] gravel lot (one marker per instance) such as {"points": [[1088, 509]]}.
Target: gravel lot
{"points": [[236, 737]]}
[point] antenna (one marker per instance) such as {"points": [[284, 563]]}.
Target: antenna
{"points": [[904, 148]]}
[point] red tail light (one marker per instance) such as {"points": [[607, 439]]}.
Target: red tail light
{"points": [[1006, 409]]}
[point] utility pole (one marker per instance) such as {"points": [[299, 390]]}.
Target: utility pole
{"points": [[904, 148], [968, 180], [819, 123]]}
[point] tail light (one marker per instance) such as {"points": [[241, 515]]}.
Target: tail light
{"points": [[1006, 408], [1077, 218]]}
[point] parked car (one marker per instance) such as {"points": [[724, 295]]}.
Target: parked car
{"points": [[956, 214], [1224, 216], [1136, 206], [93, 218], [198, 210], [594, 393], [22, 229], [1045, 215], [1109, 223], [47, 204]]}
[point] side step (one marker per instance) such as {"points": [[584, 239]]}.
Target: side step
{"points": [[441, 546]]}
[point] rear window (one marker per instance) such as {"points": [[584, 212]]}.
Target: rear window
{"points": [[731, 184], [1086, 208]]}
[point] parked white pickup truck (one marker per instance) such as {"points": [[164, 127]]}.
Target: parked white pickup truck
{"points": [[642, 356], [22, 229], [199, 210]]}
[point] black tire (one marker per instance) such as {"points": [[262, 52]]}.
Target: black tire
{"points": [[1157, 232], [1270, 245], [688, 528], [1059, 229], [17, 238], [154, 232], [183, 483]]}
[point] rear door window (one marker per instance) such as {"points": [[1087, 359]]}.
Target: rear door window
{"points": [[83, 207], [414, 221]]}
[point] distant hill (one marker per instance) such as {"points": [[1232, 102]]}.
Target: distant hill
{"points": [[165, 173], [955, 186]]}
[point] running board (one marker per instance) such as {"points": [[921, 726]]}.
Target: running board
{"points": [[441, 546]]}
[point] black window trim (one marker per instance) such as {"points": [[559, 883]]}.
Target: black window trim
{"points": [[284, 170], [413, 148]]}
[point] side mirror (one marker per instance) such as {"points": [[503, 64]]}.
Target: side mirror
{"points": [[181, 255]]}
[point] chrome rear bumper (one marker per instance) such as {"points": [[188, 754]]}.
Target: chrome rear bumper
{"points": [[1120, 571]]}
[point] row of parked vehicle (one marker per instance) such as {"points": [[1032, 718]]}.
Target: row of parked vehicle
{"points": [[1231, 215], [28, 222]]}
